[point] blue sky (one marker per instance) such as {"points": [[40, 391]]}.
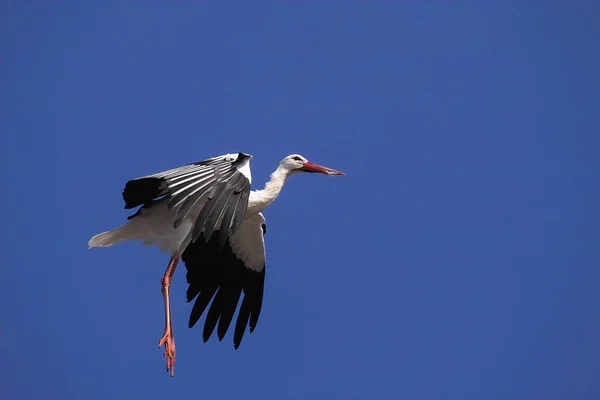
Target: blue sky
{"points": [[457, 259]]}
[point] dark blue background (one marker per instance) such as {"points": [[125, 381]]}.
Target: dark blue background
{"points": [[458, 259]]}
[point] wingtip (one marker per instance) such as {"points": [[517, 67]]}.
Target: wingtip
{"points": [[243, 156]]}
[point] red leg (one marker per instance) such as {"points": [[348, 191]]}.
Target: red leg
{"points": [[168, 339]]}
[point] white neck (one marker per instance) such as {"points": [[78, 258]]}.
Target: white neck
{"points": [[261, 199]]}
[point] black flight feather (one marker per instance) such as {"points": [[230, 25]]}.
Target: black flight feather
{"points": [[216, 274]]}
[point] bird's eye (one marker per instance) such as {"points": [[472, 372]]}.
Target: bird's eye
{"points": [[296, 158]]}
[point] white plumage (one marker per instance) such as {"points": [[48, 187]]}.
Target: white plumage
{"points": [[153, 226]]}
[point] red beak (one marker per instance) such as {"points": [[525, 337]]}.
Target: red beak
{"points": [[312, 167]]}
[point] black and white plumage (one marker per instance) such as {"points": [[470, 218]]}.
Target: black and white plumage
{"points": [[204, 193], [206, 214], [229, 272]]}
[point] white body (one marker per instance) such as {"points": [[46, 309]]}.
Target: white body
{"points": [[154, 226]]}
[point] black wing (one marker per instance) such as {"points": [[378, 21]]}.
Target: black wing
{"points": [[224, 274], [217, 183]]}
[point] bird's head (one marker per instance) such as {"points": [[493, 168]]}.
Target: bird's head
{"points": [[297, 163]]}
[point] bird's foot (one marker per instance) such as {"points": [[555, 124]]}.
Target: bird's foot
{"points": [[169, 342]]}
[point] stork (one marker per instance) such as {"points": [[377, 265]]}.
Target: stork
{"points": [[206, 214]]}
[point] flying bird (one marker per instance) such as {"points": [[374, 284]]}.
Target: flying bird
{"points": [[206, 214]]}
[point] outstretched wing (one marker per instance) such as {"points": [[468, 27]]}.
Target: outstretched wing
{"points": [[225, 274], [214, 191]]}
